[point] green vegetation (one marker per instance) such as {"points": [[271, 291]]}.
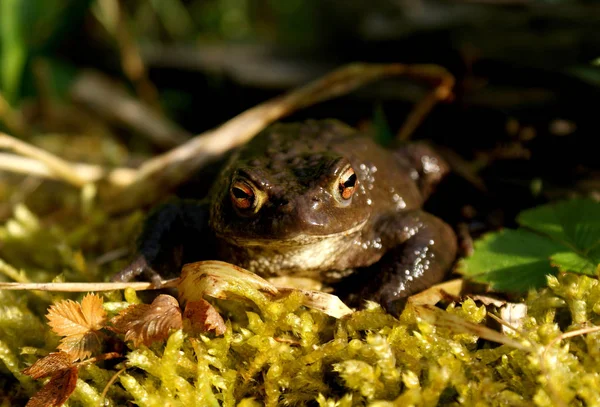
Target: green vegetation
{"points": [[288, 355], [562, 237], [279, 352]]}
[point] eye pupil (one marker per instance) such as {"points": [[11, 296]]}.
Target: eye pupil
{"points": [[347, 183], [350, 181], [238, 193], [242, 195]]}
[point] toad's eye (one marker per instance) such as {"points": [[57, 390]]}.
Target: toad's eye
{"points": [[347, 184], [242, 195]]}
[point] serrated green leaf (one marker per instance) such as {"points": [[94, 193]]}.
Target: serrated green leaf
{"points": [[575, 222], [573, 262], [576, 225], [567, 239], [511, 260]]}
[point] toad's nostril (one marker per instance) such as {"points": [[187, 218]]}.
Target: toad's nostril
{"points": [[286, 206]]}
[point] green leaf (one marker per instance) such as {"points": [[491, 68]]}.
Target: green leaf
{"points": [[510, 260], [575, 222], [13, 51], [566, 238], [573, 262], [576, 225], [32, 29]]}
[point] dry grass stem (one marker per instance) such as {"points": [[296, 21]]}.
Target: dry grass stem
{"points": [[63, 169], [86, 287], [117, 177], [442, 91], [174, 167]]}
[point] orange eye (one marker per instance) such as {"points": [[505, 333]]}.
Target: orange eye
{"points": [[347, 183], [242, 195]]}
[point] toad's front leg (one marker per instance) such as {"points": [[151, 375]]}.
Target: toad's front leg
{"points": [[423, 247], [175, 233]]}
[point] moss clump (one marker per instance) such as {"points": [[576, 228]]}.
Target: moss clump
{"points": [[284, 354]]}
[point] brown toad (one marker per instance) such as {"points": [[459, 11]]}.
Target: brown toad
{"points": [[316, 199]]}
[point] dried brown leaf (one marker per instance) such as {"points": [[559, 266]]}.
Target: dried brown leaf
{"points": [[147, 323], [434, 294], [80, 347], [49, 365], [71, 318], [57, 390], [78, 323], [201, 316], [488, 300], [93, 311]]}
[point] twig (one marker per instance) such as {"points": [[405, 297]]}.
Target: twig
{"points": [[132, 63], [177, 165], [465, 169], [503, 322], [85, 287], [56, 165], [118, 177], [439, 318], [441, 92], [102, 96], [113, 18], [570, 334], [112, 381], [174, 167], [99, 358]]}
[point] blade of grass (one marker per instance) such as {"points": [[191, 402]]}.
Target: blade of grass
{"points": [[12, 46]]}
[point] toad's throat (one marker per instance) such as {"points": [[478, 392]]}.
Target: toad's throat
{"points": [[301, 256], [298, 240]]}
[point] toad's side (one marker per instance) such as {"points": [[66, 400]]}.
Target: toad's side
{"points": [[319, 200]]}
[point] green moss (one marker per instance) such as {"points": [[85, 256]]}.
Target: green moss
{"points": [[280, 353]]}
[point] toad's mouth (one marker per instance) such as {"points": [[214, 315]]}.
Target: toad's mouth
{"points": [[296, 240]]}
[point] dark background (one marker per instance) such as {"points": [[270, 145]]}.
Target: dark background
{"points": [[523, 121]]}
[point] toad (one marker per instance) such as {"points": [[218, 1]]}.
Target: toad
{"points": [[316, 199]]}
